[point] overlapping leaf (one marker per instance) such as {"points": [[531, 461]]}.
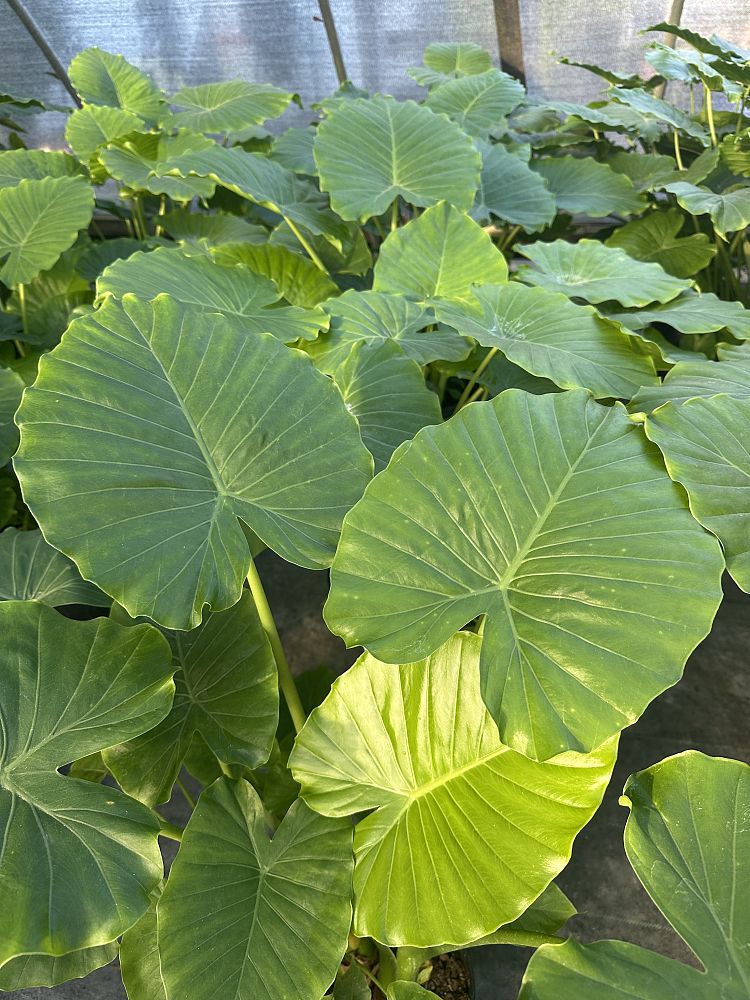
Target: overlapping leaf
{"points": [[594, 272], [93, 126], [34, 164], [143, 163], [11, 390], [39, 219], [231, 106], [298, 280], [548, 335], [478, 103], [254, 917], [31, 570], [647, 104], [78, 859], [441, 254], [451, 805], [729, 210], [386, 392], [705, 446], [586, 187], [226, 690], [687, 839], [371, 151], [449, 61], [590, 613], [654, 239], [693, 312], [110, 80], [52, 970], [378, 316], [700, 378], [186, 423], [247, 298], [510, 190]]}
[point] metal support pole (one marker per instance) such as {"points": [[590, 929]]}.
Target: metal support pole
{"points": [[509, 39], [333, 40], [57, 67]]}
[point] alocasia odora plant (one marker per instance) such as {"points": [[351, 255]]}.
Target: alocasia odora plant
{"points": [[462, 352]]}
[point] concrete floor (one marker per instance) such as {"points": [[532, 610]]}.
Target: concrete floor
{"points": [[708, 710]]}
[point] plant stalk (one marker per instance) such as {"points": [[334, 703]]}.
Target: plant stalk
{"points": [[677, 151], [710, 114], [24, 319], [306, 245], [394, 215], [286, 680], [169, 830], [464, 397], [188, 797]]}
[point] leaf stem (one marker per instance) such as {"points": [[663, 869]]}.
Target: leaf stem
{"points": [[306, 245], [24, 314], [464, 397], [187, 796], [394, 215], [710, 114], [167, 829], [677, 152], [286, 680], [371, 977]]}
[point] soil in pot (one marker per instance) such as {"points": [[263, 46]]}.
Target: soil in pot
{"points": [[450, 978]]}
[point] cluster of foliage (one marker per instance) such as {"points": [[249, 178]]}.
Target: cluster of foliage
{"points": [[482, 357]]}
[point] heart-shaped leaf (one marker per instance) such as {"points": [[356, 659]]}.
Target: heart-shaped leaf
{"points": [[93, 126], [231, 106], [253, 917], [103, 78], [700, 378], [441, 254], [594, 272], [450, 60], [79, 859], [144, 162], [386, 392], [693, 312], [510, 190], [588, 616], [371, 151], [39, 219], [647, 104], [586, 187], [31, 570], [379, 316], [654, 239], [11, 390], [451, 805], [688, 842], [298, 280], [226, 690], [34, 164], [548, 335], [704, 443], [176, 450], [729, 211], [249, 299], [477, 103]]}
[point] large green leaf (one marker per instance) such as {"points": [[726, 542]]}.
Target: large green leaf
{"points": [[687, 839], [251, 917], [582, 186], [377, 316], [448, 804], [352, 257], [441, 254], [177, 450], [226, 690], [590, 611], [214, 229], [11, 390], [39, 219], [646, 170], [140, 965], [231, 106], [700, 377], [31, 570], [34, 164], [729, 211], [93, 126], [249, 299], [51, 970], [372, 151], [293, 149], [450, 60], [548, 335], [298, 280], [143, 163], [510, 190], [78, 860], [705, 448], [654, 239], [594, 272], [478, 103], [261, 180], [386, 392], [110, 80], [693, 312], [640, 100]]}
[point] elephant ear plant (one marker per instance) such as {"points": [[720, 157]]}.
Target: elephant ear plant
{"points": [[481, 357]]}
